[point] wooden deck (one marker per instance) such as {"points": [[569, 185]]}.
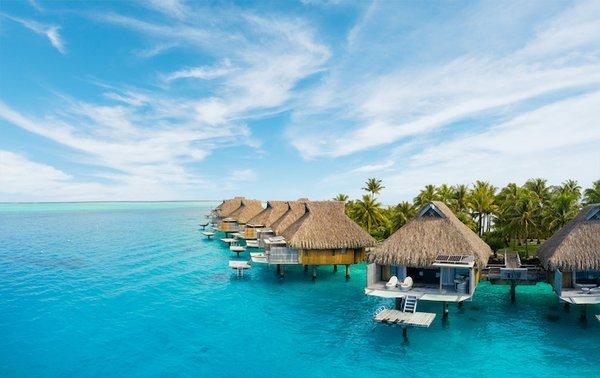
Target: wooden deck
{"points": [[425, 293], [406, 319], [239, 267], [512, 260]]}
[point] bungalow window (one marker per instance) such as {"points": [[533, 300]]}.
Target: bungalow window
{"points": [[587, 277]]}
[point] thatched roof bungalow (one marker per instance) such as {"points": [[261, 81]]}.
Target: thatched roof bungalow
{"points": [[264, 219], [294, 210], [247, 210], [572, 258], [321, 234], [441, 255], [228, 206], [325, 226]]}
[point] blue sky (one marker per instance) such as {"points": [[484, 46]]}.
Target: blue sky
{"points": [[160, 100]]}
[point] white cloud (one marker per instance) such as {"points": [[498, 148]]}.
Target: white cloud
{"points": [[243, 175], [350, 114], [263, 59], [19, 175], [172, 8], [203, 73], [557, 142], [49, 31]]}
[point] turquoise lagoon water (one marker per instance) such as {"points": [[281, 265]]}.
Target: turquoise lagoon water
{"points": [[134, 289]]}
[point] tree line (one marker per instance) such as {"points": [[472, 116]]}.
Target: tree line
{"points": [[501, 216]]}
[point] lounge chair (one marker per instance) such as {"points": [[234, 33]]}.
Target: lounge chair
{"points": [[595, 290], [407, 284], [392, 283]]}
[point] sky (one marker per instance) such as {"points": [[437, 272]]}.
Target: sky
{"points": [[175, 100]]}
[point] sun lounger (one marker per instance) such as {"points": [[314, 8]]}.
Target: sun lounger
{"points": [[392, 283], [407, 284]]}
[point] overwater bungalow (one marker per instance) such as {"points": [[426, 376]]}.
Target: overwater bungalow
{"points": [[224, 209], [322, 235], [434, 257], [236, 220], [265, 219], [572, 258], [292, 211]]}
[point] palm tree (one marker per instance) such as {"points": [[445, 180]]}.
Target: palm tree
{"points": [[367, 212], [539, 186], [341, 197], [428, 194], [561, 209], [403, 212], [592, 195], [507, 200], [445, 193], [482, 203], [373, 186], [524, 214], [460, 198], [570, 188]]}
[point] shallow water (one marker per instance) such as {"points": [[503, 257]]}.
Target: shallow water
{"points": [[131, 289]]}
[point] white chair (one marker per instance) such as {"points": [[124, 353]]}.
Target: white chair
{"points": [[407, 284], [392, 283]]}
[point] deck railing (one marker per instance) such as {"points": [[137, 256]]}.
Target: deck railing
{"points": [[283, 255]]}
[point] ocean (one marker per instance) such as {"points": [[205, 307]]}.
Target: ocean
{"points": [[134, 289]]}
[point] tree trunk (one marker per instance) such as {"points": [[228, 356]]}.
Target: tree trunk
{"points": [[526, 248]]}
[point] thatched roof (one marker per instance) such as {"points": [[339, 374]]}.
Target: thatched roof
{"points": [[273, 211], [294, 210], [248, 209], [576, 246], [435, 231], [228, 206], [324, 225]]}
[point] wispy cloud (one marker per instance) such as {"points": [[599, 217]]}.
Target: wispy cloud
{"points": [[350, 114], [172, 8], [556, 141], [203, 73], [49, 31]]}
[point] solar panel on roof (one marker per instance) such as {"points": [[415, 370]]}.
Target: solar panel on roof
{"points": [[454, 259]]}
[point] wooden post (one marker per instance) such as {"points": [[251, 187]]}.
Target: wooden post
{"points": [[398, 304], [306, 268], [314, 272], [334, 268], [583, 315], [445, 315], [513, 291], [347, 271]]}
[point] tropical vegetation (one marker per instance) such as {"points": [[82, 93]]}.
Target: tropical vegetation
{"points": [[512, 216]]}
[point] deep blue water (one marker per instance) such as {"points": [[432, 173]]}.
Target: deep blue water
{"points": [[136, 290]]}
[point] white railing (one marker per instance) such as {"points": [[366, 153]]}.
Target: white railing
{"points": [[283, 255]]}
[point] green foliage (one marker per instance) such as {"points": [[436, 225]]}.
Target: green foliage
{"points": [[341, 197], [592, 195], [373, 186], [514, 213]]}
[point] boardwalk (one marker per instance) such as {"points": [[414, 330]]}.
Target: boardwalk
{"points": [[407, 319], [512, 260]]}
